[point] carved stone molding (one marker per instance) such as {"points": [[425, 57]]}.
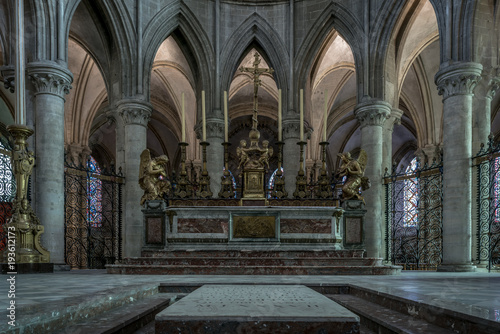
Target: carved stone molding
{"points": [[489, 84], [135, 112], [291, 129], [372, 112], [458, 79], [49, 78], [77, 154], [393, 119], [7, 74], [215, 128]]}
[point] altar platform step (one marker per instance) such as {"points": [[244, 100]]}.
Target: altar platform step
{"points": [[281, 252]]}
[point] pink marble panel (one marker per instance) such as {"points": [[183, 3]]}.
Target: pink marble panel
{"points": [[353, 230], [202, 225], [154, 230], [288, 225]]}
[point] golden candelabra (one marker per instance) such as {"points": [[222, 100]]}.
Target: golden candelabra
{"points": [[204, 185], [279, 179], [301, 185], [24, 223], [183, 188], [324, 189], [227, 189]]}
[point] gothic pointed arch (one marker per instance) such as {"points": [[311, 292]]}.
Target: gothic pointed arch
{"points": [[255, 32], [334, 16], [178, 21]]}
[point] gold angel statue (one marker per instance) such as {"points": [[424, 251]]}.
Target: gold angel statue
{"points": [[153, 177], [354, 171]]}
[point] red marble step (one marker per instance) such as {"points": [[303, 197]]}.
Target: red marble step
{"points": [[253, 261], [252, 270], [341, 253]]}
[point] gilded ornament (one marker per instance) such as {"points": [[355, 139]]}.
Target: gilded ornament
{"points": [[153, 177], [354, 171]]}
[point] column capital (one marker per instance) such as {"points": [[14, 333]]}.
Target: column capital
{"points": [[458, 79], [50, 78], [489, 84], [393, 119], [215, 128], [372, 112], [135, 112]]}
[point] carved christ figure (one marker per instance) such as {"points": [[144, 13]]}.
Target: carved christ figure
{"points": [[256, 72]]}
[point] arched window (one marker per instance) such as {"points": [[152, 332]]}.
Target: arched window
{"points": [[270, 184], [94, 194], [411, 196], [7, 180]]}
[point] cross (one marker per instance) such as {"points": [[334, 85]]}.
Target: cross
{"points": [[256, 71]]}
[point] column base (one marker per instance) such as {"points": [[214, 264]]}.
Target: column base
{"points": [[457, 268], [29, 268]]}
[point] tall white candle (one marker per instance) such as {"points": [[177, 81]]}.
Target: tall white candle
{"points": [[226, 136], [19, 73], [301, 115], [325, 121], [280, 130], [183, 119], [203, 117]]}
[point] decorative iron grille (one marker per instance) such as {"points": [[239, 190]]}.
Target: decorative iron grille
{"points": [[7, 189], [487, 164], [414, 199], [93, 216]]}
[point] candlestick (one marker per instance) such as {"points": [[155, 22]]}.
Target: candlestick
{"points": [[204, 186], [203, 117], [324, 189], [226, 190], [279, 191], [301, 183], [183, 188], [19, 73], [280, 130], [225, 118], [325, 121], [183, 119], [301, 115]]}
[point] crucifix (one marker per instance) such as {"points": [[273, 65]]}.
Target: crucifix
{"points": [[256, 71]]}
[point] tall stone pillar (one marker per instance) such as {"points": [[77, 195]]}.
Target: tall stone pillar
{"points": [[51, 82], [481, 129], [215, 153], [135, 115], [372, 116], [387, 129], [456, 83], [291, 153]]}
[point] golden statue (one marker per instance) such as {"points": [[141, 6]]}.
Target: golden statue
{"points": [[354, 171], [153, 177]]}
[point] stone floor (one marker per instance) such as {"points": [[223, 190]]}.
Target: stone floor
{"points": [[476, 294]]}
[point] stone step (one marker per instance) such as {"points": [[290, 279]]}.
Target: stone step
{"points": [[251, 270], [268, 253], [384, 320], [442, 316], [125, 319], [253, 261]]}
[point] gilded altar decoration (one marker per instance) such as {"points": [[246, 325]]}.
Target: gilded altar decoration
{"points": [[354, 171], [254, 227], [24, 221], [153, 177]]}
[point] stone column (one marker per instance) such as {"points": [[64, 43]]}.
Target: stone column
{"points": [[372, 115], [51, 82], [456, 83], [481, 129], [291, 153], [215, 153], [135, 115], [387, 129]]}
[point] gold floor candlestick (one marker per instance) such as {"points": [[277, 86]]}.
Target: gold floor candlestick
{"points": [[183, 188], [227, 189], [279, 179], [301, 185], [204, 185], [324, 189], [24, 223]]}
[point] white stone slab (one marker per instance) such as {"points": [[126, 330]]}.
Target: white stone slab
{"points": [[257, 302]]}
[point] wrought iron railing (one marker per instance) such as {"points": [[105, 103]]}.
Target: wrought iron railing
{"points": [[487, 165], [7, 189], [93, 216], [414, 217]]}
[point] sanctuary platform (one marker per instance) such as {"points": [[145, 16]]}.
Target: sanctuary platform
{"points": [[240, 240], [256, 309]]}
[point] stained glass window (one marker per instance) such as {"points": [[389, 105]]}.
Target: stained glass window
{"points": [[7, 180], [496, 189], [270, 184], [94, 194], [411, 196]]}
